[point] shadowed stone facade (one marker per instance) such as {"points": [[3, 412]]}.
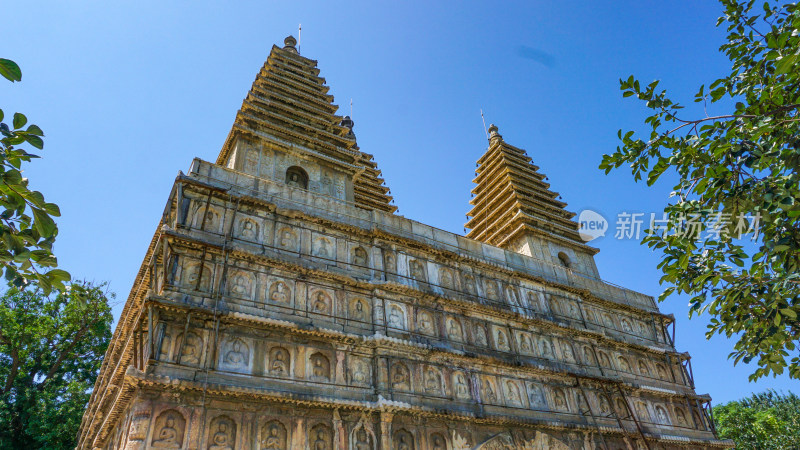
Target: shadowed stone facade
{"points": [[283, 305]]}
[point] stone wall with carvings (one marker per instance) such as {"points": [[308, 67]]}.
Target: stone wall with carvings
{"points": [[267, 325]]}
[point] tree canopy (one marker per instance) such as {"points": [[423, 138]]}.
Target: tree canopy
{"points": [[764, 421], [732, 238], [51, 348]]}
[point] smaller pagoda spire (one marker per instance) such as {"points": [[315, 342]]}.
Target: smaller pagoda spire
{"points": [[512, 201]]}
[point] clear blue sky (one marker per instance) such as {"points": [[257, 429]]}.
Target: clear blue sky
{"points": [[128, 94]]}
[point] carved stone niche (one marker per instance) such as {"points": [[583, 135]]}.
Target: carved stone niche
{"points": [[191, 277], [432, 379], [454, 331], [221, 433], [248, 229], [437, 441], [320, 437], [400, 376], [273, 435], [362, 436], [425, 323], [279, 292], [169, 430], [359, 258], [402, 439], [358, 310], [188, 351], [279, 363], [396, 317], [359, 370], [207, 218], [286, 238], [240, 284], [235, 355], [323, 247], [461, 386], [319, 367], [446, 278], [320, 301]]}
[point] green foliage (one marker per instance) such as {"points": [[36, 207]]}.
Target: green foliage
{"points": [[27, 228], [51, 348], [767, 421], [743, 163]]}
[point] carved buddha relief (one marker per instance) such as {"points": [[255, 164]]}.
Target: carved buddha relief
{"points": [[396, 317], [533, 301], [603, 358], [359, 372], [399, 377], [446, 280], [512, 296], [222, 433], [279, 292], [469, 285], [323, 248], [501, 340], [608, 322], [491, 290], [248, 230], [416, 269], [568, 353], [536, 396], [240, 284], [425, 323], [191, 349], [273, 436], [402, 440], [320, 367], [572, 309], [488, 393], [358, 310], [389, 262], [454, 331], [433, 381], [287, 239], [661, 371], [680, 416], [236, 354], [605, 405], [362, 440], [168, 430], [545, 348], [279, 361], [641, 410], [479, 333], [321, 437], [626, 325], [661, 415], [623, 364], [512, 393], [560, 400], [588, 357], [438, 442], [460, 386], [643, 369], [359, 257], [525, 344], [320, 302], [206, 219], [192, 279]]}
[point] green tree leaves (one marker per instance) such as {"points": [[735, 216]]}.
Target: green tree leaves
{"points": [[744, 163], [10, 70], [27, 228], [763, 421], [51, 348]]}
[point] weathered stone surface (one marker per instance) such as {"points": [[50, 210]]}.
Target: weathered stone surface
{"points": [[282, 305]]}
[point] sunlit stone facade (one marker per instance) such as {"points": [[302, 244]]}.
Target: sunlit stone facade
{"points": [[282, 304]]}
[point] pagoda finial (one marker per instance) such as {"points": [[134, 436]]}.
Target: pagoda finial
{"points": [[289, 44], [348, 122], [493, 134]]}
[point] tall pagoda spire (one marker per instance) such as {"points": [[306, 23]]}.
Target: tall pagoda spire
{"points": [[514, 208], [288, 121]]}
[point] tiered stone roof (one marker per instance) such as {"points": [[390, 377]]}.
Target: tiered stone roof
{"points": [[289, 106], [512, 197]]}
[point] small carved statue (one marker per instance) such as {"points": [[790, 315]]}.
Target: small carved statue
{"points": [[235, 356], [278, 366], [321, 302], [396, 318], [488, 393], [360, 257], [399, 377], [221, 439], [358, 310], [168, 435], [322, 442], [417, 270], [462, 390], [273, 440], [279, 293], [362, 443], [191, 350]]}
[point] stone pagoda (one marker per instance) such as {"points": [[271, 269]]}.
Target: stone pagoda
{"points": [[282, 304]]}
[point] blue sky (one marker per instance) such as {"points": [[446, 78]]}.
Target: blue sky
{"points": [[128, 94]]}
